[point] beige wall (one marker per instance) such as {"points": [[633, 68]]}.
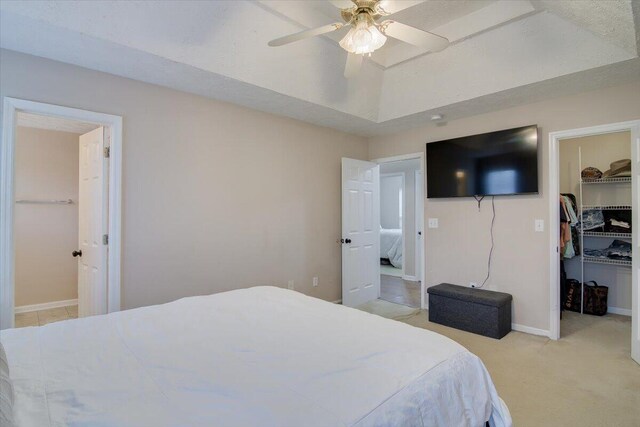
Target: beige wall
{"points": [[194, 225], [46, 165], [216, 196], [598, 151], [457, 251]]}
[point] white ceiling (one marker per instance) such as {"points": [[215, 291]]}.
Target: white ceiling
{"points": [[38, 121], [503, 53]]}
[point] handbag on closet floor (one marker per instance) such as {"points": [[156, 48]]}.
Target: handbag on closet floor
{"points": [[595, 299], [573, 295]]}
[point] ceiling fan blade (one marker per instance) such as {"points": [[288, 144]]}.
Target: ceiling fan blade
{"points": [[414, 36], [388, 7], [306, 34], [354, 62], [342, 4]]}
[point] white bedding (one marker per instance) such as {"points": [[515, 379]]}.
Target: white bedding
{"points": [[391, 245], [256, 357]]}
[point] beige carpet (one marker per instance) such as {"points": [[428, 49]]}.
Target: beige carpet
{"points": [[587, 378]]}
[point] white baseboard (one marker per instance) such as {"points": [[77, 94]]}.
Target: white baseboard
{"points": [[544, 333], [45, 306], [616, 310], [521, 328], [410, 278], [529, 330]]}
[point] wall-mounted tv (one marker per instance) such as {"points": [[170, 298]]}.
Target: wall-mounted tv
{"points": [[498, 163]]}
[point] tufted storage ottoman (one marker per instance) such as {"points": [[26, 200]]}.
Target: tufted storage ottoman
{"points": [[479, 311]]}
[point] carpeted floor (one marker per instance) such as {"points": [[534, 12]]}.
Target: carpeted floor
{"points": [[587, 378]]}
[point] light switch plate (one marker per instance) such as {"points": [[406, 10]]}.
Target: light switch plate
{"points": [[433, 222], [539, 225]]}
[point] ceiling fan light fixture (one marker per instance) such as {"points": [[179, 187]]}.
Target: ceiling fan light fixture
{"points": [[366, 34], [364, 38]]}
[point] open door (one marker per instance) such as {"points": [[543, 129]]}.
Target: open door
{"points": [[92, 220], [635, 264], [360, 232]]}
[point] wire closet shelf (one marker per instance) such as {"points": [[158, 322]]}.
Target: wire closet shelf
{"points": [[44, 202], [586, 259]]}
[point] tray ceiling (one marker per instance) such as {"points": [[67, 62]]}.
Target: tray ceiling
{"points": [[503, 53]]}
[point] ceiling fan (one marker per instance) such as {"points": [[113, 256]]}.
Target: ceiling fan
{"points": [[366, 33]]}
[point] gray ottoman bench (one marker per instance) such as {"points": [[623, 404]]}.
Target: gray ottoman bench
{"points": [[479, 311]]}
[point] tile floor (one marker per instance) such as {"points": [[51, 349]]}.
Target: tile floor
{"points": [[394, 289], [390, 270], [42, 317]]}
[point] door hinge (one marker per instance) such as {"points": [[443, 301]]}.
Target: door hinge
{"points": [[105, 239], [107, 152]]}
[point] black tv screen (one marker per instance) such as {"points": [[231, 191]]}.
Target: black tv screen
{"points": [[491, 164]]}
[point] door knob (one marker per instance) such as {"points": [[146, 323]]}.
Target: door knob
{"points": [[347, 240], [77, 253]]}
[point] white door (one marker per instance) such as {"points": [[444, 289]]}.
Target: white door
{"points": [[360, 232], [92, 261], [635, 262]]}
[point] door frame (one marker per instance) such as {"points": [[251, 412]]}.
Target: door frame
{"points": [[419, 205], [404, 211], [11, 106], [421, 157], [554, 214]]}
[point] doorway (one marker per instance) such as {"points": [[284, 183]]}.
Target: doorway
{"points": [[593, 190], [60, 206], [400, 231]]}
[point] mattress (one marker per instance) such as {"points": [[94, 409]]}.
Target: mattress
{"points": [[391, 245], [262, 356]]}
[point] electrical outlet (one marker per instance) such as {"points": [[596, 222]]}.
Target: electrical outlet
{"points": [[433, 222], [473, 285], [315, 281], [290, 285]]}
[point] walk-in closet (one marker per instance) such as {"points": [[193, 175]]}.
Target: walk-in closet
{"points": [[595, 230]]}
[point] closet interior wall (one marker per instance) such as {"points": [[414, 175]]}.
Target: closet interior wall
{"points": [[46, 168]]}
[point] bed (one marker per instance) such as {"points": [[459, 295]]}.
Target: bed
{"points": [[262, 356], [391, 245]]}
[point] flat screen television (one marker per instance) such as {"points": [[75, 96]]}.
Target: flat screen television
{"points": [[498, 163]]}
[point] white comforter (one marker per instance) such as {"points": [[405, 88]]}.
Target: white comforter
{"points": [[391, 245], [256, 357]]}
